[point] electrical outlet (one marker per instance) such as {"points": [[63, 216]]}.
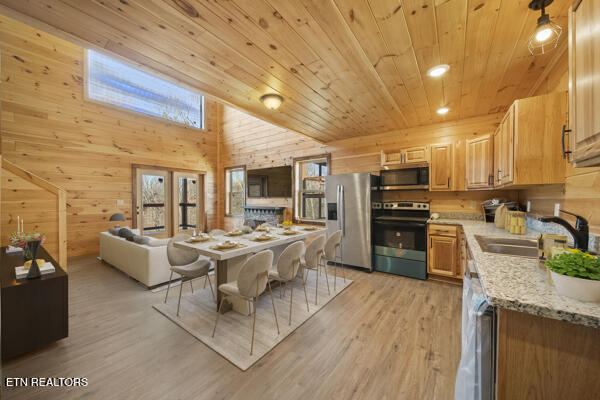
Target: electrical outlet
{"points": [[120, 202], [528, 206], [556, 209]]}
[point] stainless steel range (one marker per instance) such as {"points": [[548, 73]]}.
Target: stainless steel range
{"points": [[399, 237]]}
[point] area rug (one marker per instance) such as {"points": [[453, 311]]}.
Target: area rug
{"points": [[232, 338]]}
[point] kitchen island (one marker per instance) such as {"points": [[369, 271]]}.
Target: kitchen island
{"points": [[547, 345]]}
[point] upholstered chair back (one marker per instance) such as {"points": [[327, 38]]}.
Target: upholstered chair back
{"points": [[314, 251], [178, 256], [255, 273], [289, 260], [332, 244]]}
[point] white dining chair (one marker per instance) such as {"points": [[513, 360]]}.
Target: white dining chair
{"points": [[287, 269], [312, 261], [187, 263], [252, 281], [216, 232], [330, 253]]}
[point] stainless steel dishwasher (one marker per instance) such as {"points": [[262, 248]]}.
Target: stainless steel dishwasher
{"points": [[476, 377]]}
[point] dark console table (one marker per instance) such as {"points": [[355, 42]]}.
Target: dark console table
{"points": [[35, 311]]}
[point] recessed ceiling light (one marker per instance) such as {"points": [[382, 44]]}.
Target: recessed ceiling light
{"points": [[443, 110], [438, 70], [272, 101]]}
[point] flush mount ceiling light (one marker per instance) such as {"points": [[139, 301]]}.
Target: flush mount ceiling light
{"points": [[443, 110], [271, 101], [438, 70], [546, 34]]}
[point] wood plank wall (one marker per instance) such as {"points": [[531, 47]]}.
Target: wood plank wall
{"points": [[581, 192], [86, 148], [249, 141]]}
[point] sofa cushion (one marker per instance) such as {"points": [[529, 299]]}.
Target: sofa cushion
{"points": [[141, 239], [126, 233], [158, 242], [114, 231]]}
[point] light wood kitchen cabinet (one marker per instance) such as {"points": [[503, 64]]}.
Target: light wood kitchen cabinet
{"points": [[444, 254], [480, 162], [409, 155], [441, 168], [584, 83], [527, 143]]}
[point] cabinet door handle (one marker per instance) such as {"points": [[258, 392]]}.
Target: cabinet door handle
{"points": [[448, 182], [564, 152], [431, 243], [499, 178]]}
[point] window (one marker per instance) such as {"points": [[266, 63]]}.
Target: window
{"points": [[188, 203], [154, 194], [309, 188], [235, 196], [119, 84]]}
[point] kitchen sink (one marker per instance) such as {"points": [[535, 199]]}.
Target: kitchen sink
{"points": [[511, 247]]}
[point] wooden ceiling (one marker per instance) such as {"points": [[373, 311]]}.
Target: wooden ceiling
{"points": [[345, 67]]}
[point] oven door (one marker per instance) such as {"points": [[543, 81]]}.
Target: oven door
{"points": [[402, 239], [405, 179]]}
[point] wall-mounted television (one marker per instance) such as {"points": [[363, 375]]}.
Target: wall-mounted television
{"points": [[269, 182]]}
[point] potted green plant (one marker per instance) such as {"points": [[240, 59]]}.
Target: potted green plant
{"points": [[576, 274]]}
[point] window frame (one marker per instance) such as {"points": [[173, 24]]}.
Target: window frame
{"points": [[149, 71], [297, 193], [227, 190]]}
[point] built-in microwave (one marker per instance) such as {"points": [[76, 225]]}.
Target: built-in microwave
{"points": [[409, 177]]}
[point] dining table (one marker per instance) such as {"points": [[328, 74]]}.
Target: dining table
{"points": [[228, 262]]}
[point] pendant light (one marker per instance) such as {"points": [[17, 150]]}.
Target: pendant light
{"points": [[546, 34]]}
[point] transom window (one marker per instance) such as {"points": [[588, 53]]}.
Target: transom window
{"points": [[122, 85], [309, 189], [235, 196]]}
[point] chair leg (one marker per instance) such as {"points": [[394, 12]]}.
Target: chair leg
{"points": [[205, 278], [191, 285], [273, 303], [253, 325], [316, 284], [179, 301], [305, 296], [291, 300], [218, 314], [334, 275], [326, 277], [169, 286], [211, 289]]}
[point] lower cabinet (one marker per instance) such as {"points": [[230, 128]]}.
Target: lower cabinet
{"points": [[444, 253]]}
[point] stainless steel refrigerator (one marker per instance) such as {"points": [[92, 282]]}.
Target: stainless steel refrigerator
{"points": [[348, 199]]}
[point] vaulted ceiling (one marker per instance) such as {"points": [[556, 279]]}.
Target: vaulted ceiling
{"points": [[344, 67]]}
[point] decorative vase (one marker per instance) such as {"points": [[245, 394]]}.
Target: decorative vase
{"points": [[576, 288], [34, 270]]}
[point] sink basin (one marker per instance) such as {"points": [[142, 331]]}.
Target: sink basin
{"points": [[507, 246]]}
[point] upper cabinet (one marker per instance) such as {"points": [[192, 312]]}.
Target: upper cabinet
{"points": [[584, 83], [480, 162], [409, 155], [528, 142], [441, 168]]}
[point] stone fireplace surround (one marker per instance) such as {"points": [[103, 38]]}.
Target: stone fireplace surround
{"points": [[256, 215]]}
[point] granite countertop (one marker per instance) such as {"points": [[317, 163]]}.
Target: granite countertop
{"points": [[517, 283]]}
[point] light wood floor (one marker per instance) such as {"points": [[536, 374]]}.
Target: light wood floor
{"points": [[385, 337]]}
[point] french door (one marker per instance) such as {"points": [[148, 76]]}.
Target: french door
{"points": [[168, 201]]}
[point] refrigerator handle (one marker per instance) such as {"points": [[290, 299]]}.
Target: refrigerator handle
{"points": [[337, 205], [343, 209]]}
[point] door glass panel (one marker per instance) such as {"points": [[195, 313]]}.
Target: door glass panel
{"points": [[188, 203], [153, 204]]}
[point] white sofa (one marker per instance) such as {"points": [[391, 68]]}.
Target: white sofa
{"points": [[146, 264]]}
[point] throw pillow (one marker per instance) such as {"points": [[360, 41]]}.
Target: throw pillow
{"points": [[126, 233], [141, 239], [114, 231]]}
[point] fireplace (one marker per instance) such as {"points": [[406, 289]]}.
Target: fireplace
{"points": [[256, 215]]}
